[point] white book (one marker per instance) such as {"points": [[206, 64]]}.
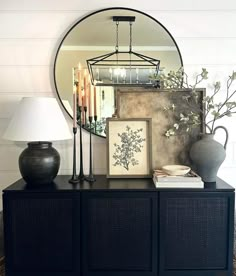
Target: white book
{"points": [[178, 184], [163, 177]]}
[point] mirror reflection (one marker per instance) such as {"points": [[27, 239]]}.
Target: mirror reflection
{"points": [[108, 49]]}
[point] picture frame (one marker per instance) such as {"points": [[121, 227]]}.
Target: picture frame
{"points": [[150, 102], [129, 153]]}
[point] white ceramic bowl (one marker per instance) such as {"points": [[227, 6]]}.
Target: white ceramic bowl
{"points": [[176, 169]]}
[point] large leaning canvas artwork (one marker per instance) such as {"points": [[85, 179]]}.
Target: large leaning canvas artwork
{"points": [[129, 147], [151, 103]]}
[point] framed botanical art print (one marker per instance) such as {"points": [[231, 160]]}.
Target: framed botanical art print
{"points": [[129, 148]]}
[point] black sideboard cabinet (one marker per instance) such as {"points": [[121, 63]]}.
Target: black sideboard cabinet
{"points": [[118, 227]]}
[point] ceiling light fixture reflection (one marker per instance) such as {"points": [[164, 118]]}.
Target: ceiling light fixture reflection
{"points": [[123, 68]]}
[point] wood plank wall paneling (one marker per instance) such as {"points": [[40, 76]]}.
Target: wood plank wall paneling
{"points": [[199, 24], [54, 5], [31, 30]]}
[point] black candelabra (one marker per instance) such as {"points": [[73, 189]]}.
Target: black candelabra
{"points": [[85, 116], [79, 178], [90, 177], [81, 172], [74, 178], [95, 123]]}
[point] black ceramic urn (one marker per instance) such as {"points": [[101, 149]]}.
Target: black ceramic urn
{"points": [[39, 163]]}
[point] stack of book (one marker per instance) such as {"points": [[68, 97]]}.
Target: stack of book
{"points": [[190, 180]]}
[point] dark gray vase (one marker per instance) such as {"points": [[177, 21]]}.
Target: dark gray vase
{"points": [[208, 155], [39, 163]]}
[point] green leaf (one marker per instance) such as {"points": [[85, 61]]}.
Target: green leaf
{"points": [[204, 74], [217, 85], [233, 76], [215, 113], [230, 104], [210, 106], [229, 114], [206, 99]]}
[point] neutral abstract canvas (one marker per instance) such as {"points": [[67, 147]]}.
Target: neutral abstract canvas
{"points": [[150, 103]]}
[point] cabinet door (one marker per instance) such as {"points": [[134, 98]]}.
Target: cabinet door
{"points": [[196, 233], [119, 233], [40, 235]]}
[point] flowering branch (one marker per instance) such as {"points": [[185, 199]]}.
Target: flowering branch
{"points": [[187, 120]]}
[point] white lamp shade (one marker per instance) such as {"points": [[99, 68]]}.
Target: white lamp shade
{"points": [[38, 119]]}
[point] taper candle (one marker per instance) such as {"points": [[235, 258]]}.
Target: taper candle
{"points": [[74, 107], [82, 109], [79, 86], [85, 87], [78, 94], [90, 99], [95, 101]]}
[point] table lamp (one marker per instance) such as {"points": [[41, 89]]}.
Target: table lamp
{"points": [[38, 120]]}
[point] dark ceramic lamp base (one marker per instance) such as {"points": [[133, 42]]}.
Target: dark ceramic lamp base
{"points": [[39, 163]]}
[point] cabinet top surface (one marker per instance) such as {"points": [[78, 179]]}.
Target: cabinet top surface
{"points": [[102, 183]]}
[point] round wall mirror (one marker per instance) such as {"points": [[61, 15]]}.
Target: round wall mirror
{"points": [[103, 34]]}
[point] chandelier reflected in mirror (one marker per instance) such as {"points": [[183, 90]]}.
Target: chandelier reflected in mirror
{"points": [[123, 68]]}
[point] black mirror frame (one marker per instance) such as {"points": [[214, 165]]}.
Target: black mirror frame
{"points": [[85, 17]]}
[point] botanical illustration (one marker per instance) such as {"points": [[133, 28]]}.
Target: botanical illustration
{"points": [[131, 142]]}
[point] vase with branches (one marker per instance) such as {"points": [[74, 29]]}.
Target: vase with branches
{"points": [[206, 154]]}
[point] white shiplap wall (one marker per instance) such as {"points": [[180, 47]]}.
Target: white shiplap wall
{"points": [[30, 31]]}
